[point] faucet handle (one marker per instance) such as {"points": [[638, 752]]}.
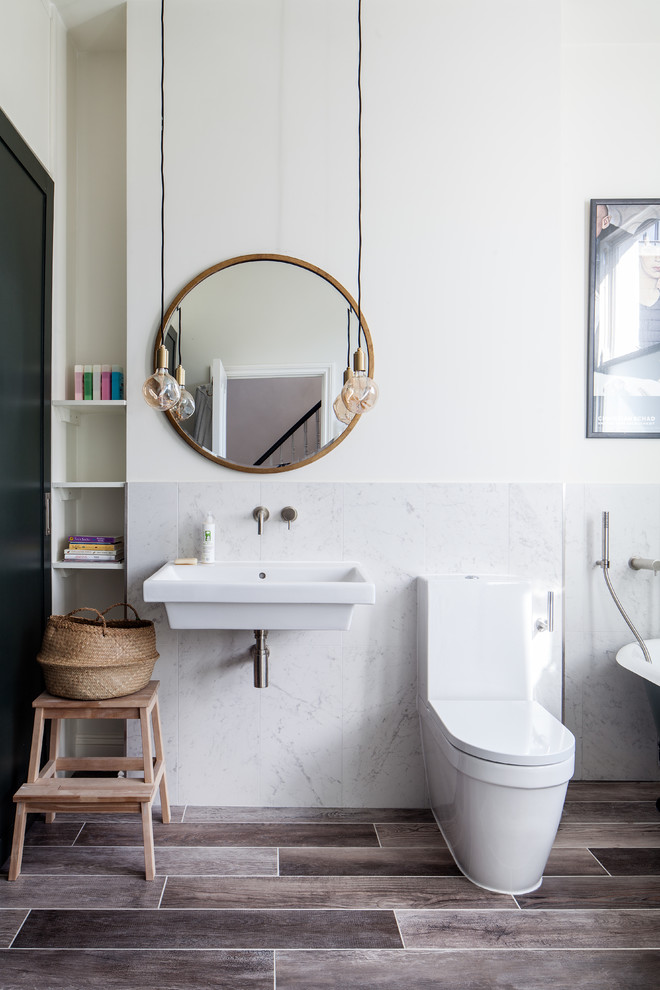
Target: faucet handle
{"points": [[548, 625], [289, 515]]}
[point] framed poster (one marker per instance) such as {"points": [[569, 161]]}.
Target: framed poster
{"points": [[623, 371]]}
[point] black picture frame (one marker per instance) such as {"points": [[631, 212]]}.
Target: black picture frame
{"points": [[623, 360]]}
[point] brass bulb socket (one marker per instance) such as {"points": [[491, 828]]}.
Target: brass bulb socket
{"points": [[162, 358], [180, 375], [359, 361]]}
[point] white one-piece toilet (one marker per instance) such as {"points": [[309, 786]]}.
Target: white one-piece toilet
{"points": [[497, 762]]}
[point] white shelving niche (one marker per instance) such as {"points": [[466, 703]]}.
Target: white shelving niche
{"points": [[90, 500], [88, 448]]}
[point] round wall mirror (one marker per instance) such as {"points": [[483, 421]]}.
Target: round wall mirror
{"points": [[265, 340]]}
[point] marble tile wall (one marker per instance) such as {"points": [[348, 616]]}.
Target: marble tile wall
{"points": [[606, 706], [338, 724]]}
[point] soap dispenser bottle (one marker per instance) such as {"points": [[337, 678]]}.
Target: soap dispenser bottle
{"points": [[208, 540]]}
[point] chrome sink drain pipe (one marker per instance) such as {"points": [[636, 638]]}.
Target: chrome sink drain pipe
{"points": [[260, 654]]}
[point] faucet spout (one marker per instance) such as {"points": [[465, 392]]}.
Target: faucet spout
{"points": [[261, 514]]}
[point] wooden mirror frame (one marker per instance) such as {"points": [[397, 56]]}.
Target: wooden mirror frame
{"points": [[282, 259]]}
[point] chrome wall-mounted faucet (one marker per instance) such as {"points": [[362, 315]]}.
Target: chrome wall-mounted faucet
{"points": [[261, 514], [644, 564]]}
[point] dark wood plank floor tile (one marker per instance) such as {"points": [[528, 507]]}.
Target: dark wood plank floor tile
{"points": [[529, 929], [129, 861], [330, 892], [410, 834], [23, 969], [507, 969], [57, 834], [176, 815], [629, 862], [338, 816], [608, 836], [599, 812], [225, 834], [80, 892], [573, 863], [613, 790], [209, 930], [10, 922], [585, 893], [367, 862]]}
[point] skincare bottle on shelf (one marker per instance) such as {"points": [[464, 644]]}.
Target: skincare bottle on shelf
{"points": [[208, 540]]}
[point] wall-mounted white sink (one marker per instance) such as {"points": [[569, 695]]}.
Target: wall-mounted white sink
{"points": [[260, 595]]}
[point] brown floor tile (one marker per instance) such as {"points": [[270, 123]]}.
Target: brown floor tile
{"points": [[24, 969], [367, 862], [176, 815], [529, 929], [338, 816], [629, 862], [56, 834], [330, 892], [622, 812], [503, 968], [10, 922], [617, 790], [572, 863], [224, 834], [584, 893], [129, 861], [608, 836], [209, 930], [425, 834], [79, 892]]}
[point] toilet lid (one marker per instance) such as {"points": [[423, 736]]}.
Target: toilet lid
{"points": [[521, 733]]}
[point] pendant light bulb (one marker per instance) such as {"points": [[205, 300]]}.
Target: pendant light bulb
{"points": [[185, 407], [161, 391], [360, 393], [343, 414]]}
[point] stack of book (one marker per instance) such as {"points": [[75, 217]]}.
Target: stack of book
{"points": [[95, 549], [98, 381]]}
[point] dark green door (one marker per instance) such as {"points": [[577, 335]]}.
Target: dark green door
{"points": [[26, 210]]}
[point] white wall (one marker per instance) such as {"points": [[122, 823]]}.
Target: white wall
{"points": [[610, 147], [27, 73], [460, 154]]}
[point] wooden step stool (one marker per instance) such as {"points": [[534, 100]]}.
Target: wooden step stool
{"points": [[45, 792]]}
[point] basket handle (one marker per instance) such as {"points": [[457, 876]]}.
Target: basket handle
{"points": [[125, 604], [87, 608]]}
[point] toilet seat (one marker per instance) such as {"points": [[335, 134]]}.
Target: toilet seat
{"points": [[516, 733]]}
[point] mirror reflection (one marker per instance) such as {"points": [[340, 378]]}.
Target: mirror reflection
{"points": [[624, 319], [265, 341]]}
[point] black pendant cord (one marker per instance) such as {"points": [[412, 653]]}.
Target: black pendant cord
{"points": [[162, 172], [178, 309], [348, 335], [359, 89]]}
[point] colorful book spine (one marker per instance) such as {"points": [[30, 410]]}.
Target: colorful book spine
{"points": [[96, 381], [87, 382], [106, 381], [78, 373], [95, 539], [117, 382], [95, 547]]}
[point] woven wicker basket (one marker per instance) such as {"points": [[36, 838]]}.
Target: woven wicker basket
{"points": [[91, 659]]}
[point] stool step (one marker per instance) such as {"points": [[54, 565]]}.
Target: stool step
{"points": [[114, 790]]}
